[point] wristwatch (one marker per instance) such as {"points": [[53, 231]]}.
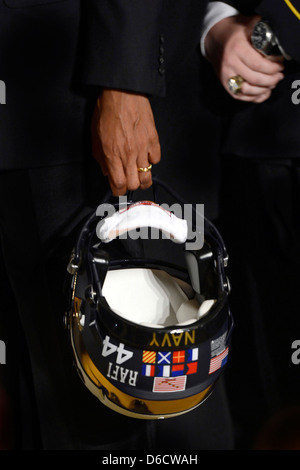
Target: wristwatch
{"points": [[265, 41]]}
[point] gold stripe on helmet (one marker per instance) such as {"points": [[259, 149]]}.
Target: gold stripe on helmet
{"points": [[121, 402]]}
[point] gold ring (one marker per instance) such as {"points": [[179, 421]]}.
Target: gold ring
{"points": [[144, 170], [235, 84]]}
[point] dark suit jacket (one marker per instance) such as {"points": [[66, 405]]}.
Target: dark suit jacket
{"points": [[270, 129], [49, 49]]}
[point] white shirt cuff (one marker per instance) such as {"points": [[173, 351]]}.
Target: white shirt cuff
{"points": [[216, 11]]}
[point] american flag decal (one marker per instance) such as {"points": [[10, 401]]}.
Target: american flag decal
{"points": [[218, 361], [176, 384]]}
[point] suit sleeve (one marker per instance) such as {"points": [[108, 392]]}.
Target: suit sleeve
{"points": [[246, 7], [123, 45]]}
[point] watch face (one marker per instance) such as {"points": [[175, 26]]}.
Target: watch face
{"points": [[259, 36]]}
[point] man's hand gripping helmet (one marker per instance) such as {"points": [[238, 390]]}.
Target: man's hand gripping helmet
{"points": [[149, 320]]}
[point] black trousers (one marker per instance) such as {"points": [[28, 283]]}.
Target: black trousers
{"points": [[39, 212], [261, 226]]}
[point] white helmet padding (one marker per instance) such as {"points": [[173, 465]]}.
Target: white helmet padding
{"points": [[152, 297]]}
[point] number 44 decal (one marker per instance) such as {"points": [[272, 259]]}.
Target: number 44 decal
{"points": [[123, 354]]}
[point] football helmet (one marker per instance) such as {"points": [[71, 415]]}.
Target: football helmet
{"points": [[149, 320]]}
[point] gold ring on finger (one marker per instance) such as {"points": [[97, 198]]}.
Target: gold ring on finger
{"points": [[144, 170], [235, 84]]}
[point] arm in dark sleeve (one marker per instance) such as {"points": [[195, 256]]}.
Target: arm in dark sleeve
{"points": [[123, 45], [246, 7]]}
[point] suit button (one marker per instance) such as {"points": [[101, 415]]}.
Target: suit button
{"points": [[161, 60]]}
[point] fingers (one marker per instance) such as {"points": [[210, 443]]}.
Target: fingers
{"points": [[255, 87], [147, 157], [255, 84], [231, 53], [126, 133], [259, 97], [260, 74], [258, 64], [143, 152]]}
